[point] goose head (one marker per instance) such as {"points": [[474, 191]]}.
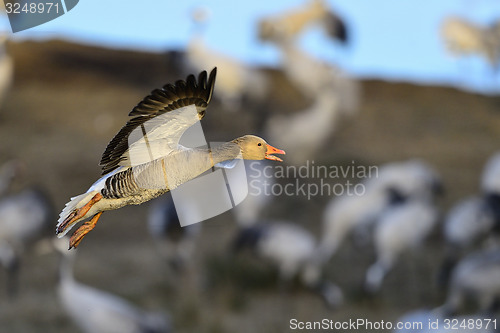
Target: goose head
{"points": [[254, 148]]}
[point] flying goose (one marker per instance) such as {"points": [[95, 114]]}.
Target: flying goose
{"points": [[145, 158], [94, 310]]}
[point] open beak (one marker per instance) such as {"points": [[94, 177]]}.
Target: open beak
{"points": [[271, 150]]}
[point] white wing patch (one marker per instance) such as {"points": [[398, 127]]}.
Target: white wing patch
{"points": [[159, 136]]}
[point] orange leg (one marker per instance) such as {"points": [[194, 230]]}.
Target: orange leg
{"points": [[84, 229], [78, 213]]}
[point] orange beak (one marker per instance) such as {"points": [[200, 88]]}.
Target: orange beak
{"points": [[272, 150]]}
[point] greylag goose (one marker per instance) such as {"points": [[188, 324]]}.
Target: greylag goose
{"points": [[145, 158], [174, 242], [293, 250], [96, 311]]}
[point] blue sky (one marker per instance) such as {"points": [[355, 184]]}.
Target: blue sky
{"points": [[392, 39]]}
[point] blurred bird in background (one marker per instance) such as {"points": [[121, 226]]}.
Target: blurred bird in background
{"points": [[8, 172], [174, 242], [394, 185], [476, 280], [474, 222], [292, 250], [6, 68], [25, 219], [331, 91], [236, 81], [94, 310], [289, 25], [463, 38], [400, 229]]}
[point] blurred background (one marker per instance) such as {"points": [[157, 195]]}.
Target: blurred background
{"points": [[410, 88]]}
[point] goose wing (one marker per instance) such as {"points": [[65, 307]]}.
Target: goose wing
{"points": [[159, 121]]}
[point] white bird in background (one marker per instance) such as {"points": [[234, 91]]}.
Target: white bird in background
{"points": [[399, 230], [235, 79], [305, 133], [96, 311], [392, 185], [467, 223], [293, 250], [25, 217], [331, 91], [289, 25], [175, 243], [466, 38], [252, 208], [490, 182], [473, 222], [6, 68], [315, 77], [477, 276], [8, 172], [333, 95]]}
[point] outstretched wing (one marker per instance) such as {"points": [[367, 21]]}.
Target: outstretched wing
{"points": [[161, 119]]}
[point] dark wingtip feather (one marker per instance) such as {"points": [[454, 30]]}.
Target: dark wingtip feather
{"points": [[168, 98], [172, 96], [210, 83]]}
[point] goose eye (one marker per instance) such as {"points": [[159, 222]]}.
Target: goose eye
{"points": [[259, 144]]}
